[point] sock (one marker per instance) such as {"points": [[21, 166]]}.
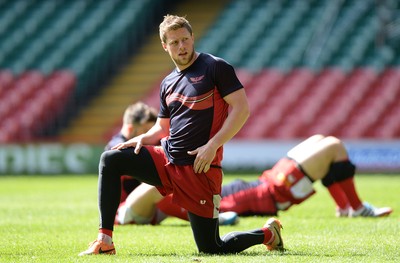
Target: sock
{"points": [[268, 236], [338, 195], [105, 235], [170, 209], [349, 189], [124, 215]]}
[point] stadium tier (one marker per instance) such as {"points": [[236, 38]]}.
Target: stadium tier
{"points": [[90, 39], [359, 104], [32, 101], [309, 66]]}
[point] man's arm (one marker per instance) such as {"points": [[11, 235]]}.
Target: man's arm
{"points": [[152, 137], [236, 119]]}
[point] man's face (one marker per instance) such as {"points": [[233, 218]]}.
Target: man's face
{"points": [[180, 47], [133, 130], [142, 128]]}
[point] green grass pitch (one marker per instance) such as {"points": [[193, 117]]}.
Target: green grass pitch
{"points": [[53, 218]]}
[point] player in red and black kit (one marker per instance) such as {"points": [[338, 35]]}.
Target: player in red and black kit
{"points": [[138, 118], [290, 182], [193, 124]]}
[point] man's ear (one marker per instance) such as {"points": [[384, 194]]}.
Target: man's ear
{"points": [[131, 128], [164, 46]]}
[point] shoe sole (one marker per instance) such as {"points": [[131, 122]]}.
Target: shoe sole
{"points": [[385, 213], [101, 252]]}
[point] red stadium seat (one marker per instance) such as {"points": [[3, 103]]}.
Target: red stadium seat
{"points": [[263, 85], [245, 77], [9, 128], [6, 79], [34, 101]]}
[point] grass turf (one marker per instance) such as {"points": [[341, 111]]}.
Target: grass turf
{"points": [[52, 219]]}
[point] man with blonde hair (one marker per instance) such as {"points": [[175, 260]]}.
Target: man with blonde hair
{"points": [[193, 124]]}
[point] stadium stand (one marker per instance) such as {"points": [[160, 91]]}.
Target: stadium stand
{"points": [[90, 39], [31, 102], [309, 66], [141, 75], [326, 62]]}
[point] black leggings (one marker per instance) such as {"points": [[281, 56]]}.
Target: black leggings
{"points": [[115, 163], [208, 240]]}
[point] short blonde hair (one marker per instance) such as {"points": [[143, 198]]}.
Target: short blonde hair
{"points": [[139, 113], [173, 22]]}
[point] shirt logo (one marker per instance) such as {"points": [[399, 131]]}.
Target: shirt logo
{"points": [[200, 102], [195, 80], [203, 202]]}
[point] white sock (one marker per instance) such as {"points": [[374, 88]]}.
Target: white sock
{"points": [[124, 215], [105, 238]]}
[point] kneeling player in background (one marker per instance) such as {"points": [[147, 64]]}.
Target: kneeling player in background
{"points": [[291, 180]]}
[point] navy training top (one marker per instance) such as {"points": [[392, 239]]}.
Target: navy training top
{"points": [[193, 100]]}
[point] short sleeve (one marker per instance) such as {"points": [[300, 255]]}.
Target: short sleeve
{"points": [[225, 77]]}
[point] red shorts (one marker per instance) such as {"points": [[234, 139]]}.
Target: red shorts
{"points": [[287, 183], [198, 193]]}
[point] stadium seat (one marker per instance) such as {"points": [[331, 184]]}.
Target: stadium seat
{"points": [[262, 86], [32, 101], [388, 126], [6, 79], [306, 65]]}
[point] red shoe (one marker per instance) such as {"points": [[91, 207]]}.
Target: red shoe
{"points": [[98, 247]]}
